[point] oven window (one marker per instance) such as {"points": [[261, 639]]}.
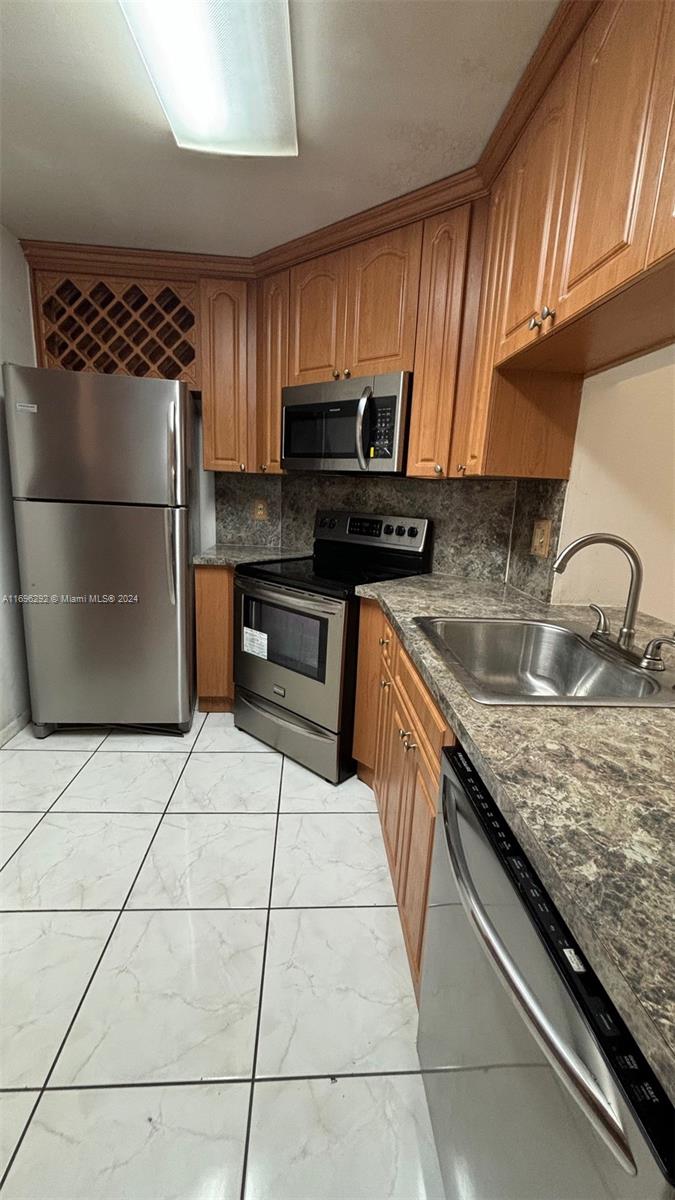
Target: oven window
{"points": [[321, 431], [295, 640]]}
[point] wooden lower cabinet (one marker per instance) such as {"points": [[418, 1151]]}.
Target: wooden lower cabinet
{"points": [[405, 737], [214, 616]]}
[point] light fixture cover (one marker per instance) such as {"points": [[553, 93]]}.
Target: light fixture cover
{"points": [[223, 71]]}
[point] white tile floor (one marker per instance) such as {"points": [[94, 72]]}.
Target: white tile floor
{"points": [[204, 990]]}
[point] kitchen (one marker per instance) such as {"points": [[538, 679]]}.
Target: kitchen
{"points": [[337, 850]]}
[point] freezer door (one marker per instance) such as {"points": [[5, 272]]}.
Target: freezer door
{"points": [[79, 436], [109, 631]]}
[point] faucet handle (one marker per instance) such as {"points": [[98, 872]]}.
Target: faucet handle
{"points": [[651, 659], [603, 627]]}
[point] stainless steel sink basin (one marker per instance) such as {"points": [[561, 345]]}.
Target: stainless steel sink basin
{"points": [[535, 662]]}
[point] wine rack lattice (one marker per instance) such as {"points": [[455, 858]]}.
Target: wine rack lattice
{"points": [[115, 326]]}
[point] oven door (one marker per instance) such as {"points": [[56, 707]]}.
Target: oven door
{"points": [[327, 435], [289, 648]]}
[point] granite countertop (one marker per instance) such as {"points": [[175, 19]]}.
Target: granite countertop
{"points": [[230, 554], [590, 793]]}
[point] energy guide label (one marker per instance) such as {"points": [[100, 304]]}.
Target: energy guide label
{"points": [[255, 642]]}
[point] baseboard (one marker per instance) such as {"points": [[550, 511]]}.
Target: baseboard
{"points": [[365, 774], [214, 704], [14, 726]]}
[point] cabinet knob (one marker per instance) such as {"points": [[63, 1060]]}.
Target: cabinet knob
{"points": [[409, 746], [533, 324], [336, 374], [384, 641], [348, 373], [461, 467], [384, 683], [263, 467], [547, 313], [242, 466], [438, 470], [404, 733]]}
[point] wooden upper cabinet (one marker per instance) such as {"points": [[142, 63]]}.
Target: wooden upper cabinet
{"points": [[318, 292], [536, 177], [439, 328], [382, 291], [273, 302], [610, 189], [662, 233], [225, 374]]}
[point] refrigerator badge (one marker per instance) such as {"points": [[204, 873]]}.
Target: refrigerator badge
{"points": [[22, 407]]}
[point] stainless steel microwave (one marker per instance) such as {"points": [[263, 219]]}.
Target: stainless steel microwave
{"points": [[351, 425]]}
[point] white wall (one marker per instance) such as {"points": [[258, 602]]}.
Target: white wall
{"points": [[623, 481], [16, 345]]}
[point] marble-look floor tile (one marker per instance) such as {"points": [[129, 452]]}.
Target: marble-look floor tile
{"points": [[338, 996], [175, 998], [14, 827], [15, 1109], [61, 739], [326, 859], [31, 780], [77, 860], [219, 733], [208, 860], [123, 781], [157, 743], [46, 960], [238, 783], [176, 1143], [303, 791], [365, 1139]]}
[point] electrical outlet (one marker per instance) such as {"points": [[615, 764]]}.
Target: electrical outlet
{"points": [[541, 538], [260, 510]]}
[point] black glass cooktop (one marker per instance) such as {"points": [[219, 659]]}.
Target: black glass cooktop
{"points": [[330, 575]]}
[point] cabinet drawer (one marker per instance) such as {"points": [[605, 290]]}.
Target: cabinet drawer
{"points": [[389, 644], [432, 728]]}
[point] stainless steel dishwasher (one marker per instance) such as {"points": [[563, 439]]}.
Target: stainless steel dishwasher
{"points": [[536, 1088]]}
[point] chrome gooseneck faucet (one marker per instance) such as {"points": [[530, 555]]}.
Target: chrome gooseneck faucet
{"points": [[627, 631]]}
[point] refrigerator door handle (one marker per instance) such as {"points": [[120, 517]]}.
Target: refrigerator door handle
{"points": [[565, 1062], [171, 452], [169, 546]]}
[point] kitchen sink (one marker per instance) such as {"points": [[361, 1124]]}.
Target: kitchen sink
{"points": [[536, 662]]}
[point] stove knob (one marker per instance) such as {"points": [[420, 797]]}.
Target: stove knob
{"points": [[323, 522], [332, 523], [413, 531], [389, 529], [400, 530]]}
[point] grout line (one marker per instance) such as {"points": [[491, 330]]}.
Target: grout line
{"points": [[244, 1165], [92, 976], [45, 812], [204, 908]]}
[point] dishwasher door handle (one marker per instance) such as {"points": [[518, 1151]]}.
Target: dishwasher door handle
{"points": [[569, 1068]]}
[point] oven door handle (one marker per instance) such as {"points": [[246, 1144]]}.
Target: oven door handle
{"points": [[360, 417], [569, 1068], [291, 599]]}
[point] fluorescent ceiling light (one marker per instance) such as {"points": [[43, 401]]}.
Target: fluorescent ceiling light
{"points": [[222, 70]]}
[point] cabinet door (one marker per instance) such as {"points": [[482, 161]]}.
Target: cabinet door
{"points": [[395, 781], [439, 328], [384, 274], [318, 297], [272, 368], [224, 374], [609, 194], [369, 674], [417, 838], [214, 593], [662, 235], [537, 175]]}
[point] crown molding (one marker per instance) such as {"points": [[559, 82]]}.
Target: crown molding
{"points": [[565, 27]]}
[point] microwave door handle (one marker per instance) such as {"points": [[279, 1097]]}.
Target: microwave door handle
{"points": [[360, 416], [569, 1068]]}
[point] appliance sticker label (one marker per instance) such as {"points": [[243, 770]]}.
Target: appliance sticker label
{"points": [[23, 407], [255, 642], [573, 959]]}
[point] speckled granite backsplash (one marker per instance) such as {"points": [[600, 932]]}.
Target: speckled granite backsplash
{"points": [[476, 521]]}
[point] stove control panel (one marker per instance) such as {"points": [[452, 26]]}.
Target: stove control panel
{"points": [[373, 529]]}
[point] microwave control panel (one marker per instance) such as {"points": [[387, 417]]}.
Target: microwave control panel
{"points": [[382, 427]]}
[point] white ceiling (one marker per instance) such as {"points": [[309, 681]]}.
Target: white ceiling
{"points": [[390, 95]]}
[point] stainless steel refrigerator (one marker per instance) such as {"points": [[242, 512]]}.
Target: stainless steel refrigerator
{"points": [[102, 474]]}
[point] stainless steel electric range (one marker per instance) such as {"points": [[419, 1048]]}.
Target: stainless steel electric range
{"points": [[296, 633]]}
